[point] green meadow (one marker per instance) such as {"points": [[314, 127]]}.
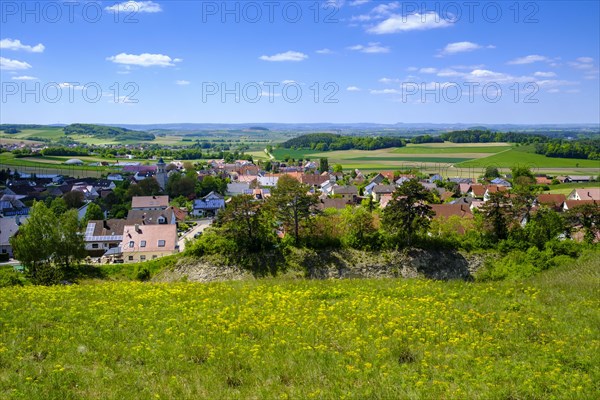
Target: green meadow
{"points": [[536, 338]]}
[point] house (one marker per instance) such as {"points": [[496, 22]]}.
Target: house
{"points": [[149, 202], [9, 226], [11, 205], [554, 201], [464, 188], [578, 179], [115, 177], [436, 177], [542, 180], [237, 188], [368, 190], [209, 205], [348, 192], [89, 191], [385, 199], [449, 210], [180, 213], [151, 217], [585, 194], [378, 179], [268, 180], [477, 191], [104, 184], [493, 189], [258, 194], [313, 179], [148, 242], [501, 182], [380, 190], [100, 236], [338, 204], [570, 204]]}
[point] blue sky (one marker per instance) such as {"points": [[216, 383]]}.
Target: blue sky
{"points": [[303, 61]]}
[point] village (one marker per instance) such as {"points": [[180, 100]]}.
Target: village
{"points": [[155, 225]]}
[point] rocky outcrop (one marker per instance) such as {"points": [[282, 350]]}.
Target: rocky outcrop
{"points": [[340, 264]]}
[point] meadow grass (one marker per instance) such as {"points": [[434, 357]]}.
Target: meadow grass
{"points": [[278, 339]]}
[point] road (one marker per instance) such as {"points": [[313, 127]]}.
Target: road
{"points": [[201, 225]]}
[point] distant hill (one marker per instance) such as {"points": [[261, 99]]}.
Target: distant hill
{"points": [[107, 132]]}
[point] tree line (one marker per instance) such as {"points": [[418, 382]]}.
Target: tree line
{"points": [[331, 142], [581, 148]]}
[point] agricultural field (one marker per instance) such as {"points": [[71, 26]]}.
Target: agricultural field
{"points": [[458, 159], [279, 339]]}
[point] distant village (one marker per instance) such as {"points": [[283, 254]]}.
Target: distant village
{"points": [[155, 227]]}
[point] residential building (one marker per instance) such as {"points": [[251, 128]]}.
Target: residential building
{"points": [[150, 202], [348, 192], [9, 226], [151, 217], [148, 242], [209, 205], [585, 194], [100, 236], [381, 190]]}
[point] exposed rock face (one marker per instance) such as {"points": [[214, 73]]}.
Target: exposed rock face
{"points": [[346, 263]]}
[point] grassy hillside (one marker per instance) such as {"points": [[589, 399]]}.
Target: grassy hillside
{"points": [[279, 339]]}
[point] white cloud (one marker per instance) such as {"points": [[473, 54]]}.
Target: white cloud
{"points": [[13, 65], [135, 7], [324, 51], [359, 2], [287, 56], [144, 60], [182, 83], [412, 22], [553, 91], [388, 81], [10, 44], [585, 60], [428, 70], [462, 47], [353, 89], [371, 48], [25, 78], [544, 74], [385, 91], [528, 59]]}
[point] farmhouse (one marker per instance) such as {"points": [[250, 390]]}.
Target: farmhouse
{"points": [[8, 228]]}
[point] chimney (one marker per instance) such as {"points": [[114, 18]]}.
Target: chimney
{"points": [[105, 225], [144, 219], [18, 220], [137, 228]]}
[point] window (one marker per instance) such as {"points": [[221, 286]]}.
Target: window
{"points": [[162, 220], [131, 244], [154, 257], [142, 258], [130, 258], [161, 243], [143, 243], [95, 246]]}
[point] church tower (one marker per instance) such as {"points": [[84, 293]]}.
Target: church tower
{"points": [[161, 173]]}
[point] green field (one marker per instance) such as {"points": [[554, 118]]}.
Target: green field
{"points": [[524, 156], [297, 339]]}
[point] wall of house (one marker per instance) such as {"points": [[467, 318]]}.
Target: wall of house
{"points": [[140, 256]]}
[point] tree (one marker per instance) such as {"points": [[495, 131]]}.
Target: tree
{"points": [[491, 173], [359, 228], [180, 185], [292, 205], [338, 168], [74, 199], [211, 184], [46, 245], [70, 246], [93, 212], [243, 220], [323, 165], [497, 215], [543, 226], [149, 187], [58, 206], [408, 213], [522, 175], [35, 243], [588, 217]]}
